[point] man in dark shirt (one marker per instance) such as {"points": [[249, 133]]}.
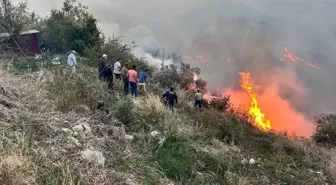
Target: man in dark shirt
{"points": [[107, 75], [171, 98], [102, 64]]}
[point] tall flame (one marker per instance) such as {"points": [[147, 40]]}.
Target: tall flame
{"points": [[259, 117]]}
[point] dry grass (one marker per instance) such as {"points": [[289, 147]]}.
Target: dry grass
{"points": [[38, 144]]}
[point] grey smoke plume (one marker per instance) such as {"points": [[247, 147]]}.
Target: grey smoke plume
{"points": [[252, 33]]}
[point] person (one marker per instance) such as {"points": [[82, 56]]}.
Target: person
{"points": [[143, 81], [72, 63], [102, 63], [198, 99], [124, 72], [107, 75], [43, 47], [117, 69], [171, 98], [133, 80]]}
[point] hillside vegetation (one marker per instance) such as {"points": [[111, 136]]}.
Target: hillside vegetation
{"points": [[51, 131]]}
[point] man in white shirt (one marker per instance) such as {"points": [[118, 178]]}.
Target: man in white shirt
{"points": [[117, 70], [72, 63]]}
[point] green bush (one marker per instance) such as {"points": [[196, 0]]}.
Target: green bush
{"points": [[123, 110], [326, 129], [71, 28]]}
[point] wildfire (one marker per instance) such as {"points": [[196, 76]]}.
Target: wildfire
{"points": [[294, 58], [259, 117]]}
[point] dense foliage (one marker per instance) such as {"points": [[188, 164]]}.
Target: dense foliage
{"points": [[326, 129], [71, 28]]}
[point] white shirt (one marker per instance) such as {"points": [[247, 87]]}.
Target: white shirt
{"points": [[117, 67], [72, 60]]}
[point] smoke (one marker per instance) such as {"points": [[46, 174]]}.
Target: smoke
{"points": [[252, 33]]}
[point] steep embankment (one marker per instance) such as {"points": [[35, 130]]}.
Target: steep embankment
{"points": [[51, 133]]}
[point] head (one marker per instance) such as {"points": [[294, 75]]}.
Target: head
{"points": [[126, 65], [118, 60], [104, 56], [198, 90], [172, 89], [134, 67], [146, 71], [73, 52], [109, 65]]}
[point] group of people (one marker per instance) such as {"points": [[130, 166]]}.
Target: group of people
{"points": [[112, 72]]}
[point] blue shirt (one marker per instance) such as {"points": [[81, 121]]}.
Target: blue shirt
{"points": [[143, 77], [170, 97]]}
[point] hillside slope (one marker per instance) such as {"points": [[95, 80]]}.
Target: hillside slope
{"points": [[52, 133]]}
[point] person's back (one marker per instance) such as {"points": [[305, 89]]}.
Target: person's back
{"points": [[198, 96], [170, 96], [117, 66], [132, 75], [106, 73], [72, 62], [124, 75], [71, 59], [102, 64], [124, 72], [198, 99], [143, 77]]}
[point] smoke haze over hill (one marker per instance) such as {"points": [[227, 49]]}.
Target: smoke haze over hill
{"points": [[253, 33]]}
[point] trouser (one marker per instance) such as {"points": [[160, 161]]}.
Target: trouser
{"points": [[110, 85], [134, 89], [126, 86], [199, 103], [117, 76], [142, 86], [72, 68], [171, 106]]}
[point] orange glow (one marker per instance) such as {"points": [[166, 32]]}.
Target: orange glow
{"points": [[294, 58], [259, 117], [279, 111], [187, 57]]}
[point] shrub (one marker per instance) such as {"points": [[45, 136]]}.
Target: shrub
{"points": [[326, 129], [124, 111], [115, 49], [71, 28]]}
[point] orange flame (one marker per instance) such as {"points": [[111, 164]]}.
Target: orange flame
{"points": [[294, 58], [259, 117]]}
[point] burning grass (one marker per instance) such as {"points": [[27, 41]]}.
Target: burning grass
{"points": [[47, 139]]}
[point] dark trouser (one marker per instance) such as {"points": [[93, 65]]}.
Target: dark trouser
{"points": [[117, 76], [110, 85], [199, 103], [134, 89], [126, 86], [171, 106]]}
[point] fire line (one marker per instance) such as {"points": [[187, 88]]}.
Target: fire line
{"points": [[259, 117]]}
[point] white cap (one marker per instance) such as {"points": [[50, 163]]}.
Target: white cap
{"points": [[104, 56], [73, 51]]}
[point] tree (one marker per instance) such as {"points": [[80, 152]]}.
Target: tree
{"points": [[326, 129], [72, 28], [15, 18]]}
